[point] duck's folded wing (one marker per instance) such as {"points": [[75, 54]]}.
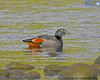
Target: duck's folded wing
{"points": [[34, 40], [38, 40], [28, 40]]}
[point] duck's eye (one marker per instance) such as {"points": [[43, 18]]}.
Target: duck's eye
{"points": [[65, 31]]}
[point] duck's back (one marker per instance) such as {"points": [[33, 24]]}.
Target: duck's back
{"points": [[47, 37], [50, 40]]}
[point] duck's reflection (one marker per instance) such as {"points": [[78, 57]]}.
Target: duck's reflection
{"points": [[49, 50], [34, 50]]}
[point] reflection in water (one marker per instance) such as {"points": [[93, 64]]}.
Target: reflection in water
{"points": [[34, 50], [48, 50]]}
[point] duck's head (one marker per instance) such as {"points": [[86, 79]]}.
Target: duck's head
{"points": [[60, 32]]}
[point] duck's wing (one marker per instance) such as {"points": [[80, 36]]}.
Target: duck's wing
{"points": [[44, 40], [28, 40], [34, 40], [40, 39]]}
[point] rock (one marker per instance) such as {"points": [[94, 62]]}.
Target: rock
{"points": [[79, 79], [31, 79], [52, 70], [50, 73], [78, 71], [3, 78], [53, 54], [17, 74], [65, 67], [19, 66], [97, 61], [96, 67], [4, 73], [33, 75]]}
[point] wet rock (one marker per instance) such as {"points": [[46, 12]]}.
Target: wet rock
{"points": [[31, 79], [4, 73], [17, 74], [96, 67], [97, 61], [78, 71], [50, 73], [19, 66], [79, 79], [65, 67], [3, 78], [33, 75], [18, 79], [53, 54], [52, 70]]}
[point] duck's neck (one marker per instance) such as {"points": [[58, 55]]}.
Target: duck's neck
{"points": [[58, 37]]}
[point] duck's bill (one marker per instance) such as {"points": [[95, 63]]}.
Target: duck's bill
{"points": [[68, 33]]}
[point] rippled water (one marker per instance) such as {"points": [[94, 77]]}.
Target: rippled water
{"points": [[25, 19]]}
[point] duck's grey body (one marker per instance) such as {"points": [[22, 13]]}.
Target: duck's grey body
{"points": [[50, 40]]}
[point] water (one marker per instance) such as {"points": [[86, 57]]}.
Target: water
{"points": [[23, 19]]}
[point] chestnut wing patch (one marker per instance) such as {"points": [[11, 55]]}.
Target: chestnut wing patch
{"points": [[32, 44], [38, 40]]}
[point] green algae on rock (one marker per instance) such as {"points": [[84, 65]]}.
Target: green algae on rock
{"points": [[3, 78], [17, 74], [49, 73], [33, 75], [96, 67], [65, 67], [4, 73], [53, 54], [19, 66], [78, 71], [52, 70], [97, 61]]}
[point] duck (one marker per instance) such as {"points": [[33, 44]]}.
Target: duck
{"points": [[48, 40]]}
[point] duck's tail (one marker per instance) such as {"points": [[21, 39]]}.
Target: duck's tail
{"points": [[27, 40]]}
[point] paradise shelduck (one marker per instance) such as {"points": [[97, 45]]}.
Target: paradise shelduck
{"points": [[48, 40]]}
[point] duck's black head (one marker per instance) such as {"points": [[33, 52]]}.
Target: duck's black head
{"points": [[60, 32]]}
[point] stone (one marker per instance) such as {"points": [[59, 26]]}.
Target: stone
{"points": [[17, 74], [96, 67], [78, 71], [4, 72], [52, 70], [19, 66], [97, 61], [3, 78], [53, 54], [33, 75]]}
